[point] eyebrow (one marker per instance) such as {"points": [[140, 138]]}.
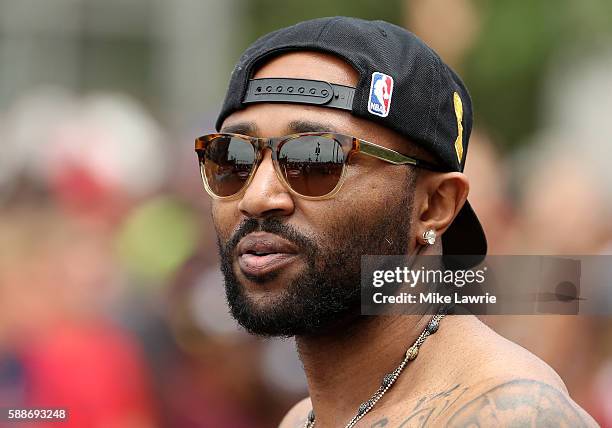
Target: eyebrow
{"points": [[299, 126], [244, 128], [294, 127]]}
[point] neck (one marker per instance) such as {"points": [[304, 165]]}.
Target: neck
{"points": [[345, 366]]}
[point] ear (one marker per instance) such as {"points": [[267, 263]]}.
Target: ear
{"points": [[440, 197]]}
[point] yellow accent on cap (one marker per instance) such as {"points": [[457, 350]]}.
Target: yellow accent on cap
{"points": [[459, 114]]}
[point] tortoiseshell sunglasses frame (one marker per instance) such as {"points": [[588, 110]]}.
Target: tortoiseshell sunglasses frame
{"points": [[350, 146]]}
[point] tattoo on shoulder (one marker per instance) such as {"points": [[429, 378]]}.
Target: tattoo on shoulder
{"points": [[521, 402], [429, 407]]}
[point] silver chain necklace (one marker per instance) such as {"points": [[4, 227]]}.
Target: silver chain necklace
{"points": [[389, 379]]}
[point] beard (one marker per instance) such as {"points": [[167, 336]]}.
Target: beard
{"points": [[327, 293]]}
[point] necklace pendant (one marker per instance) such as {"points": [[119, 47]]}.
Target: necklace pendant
{"points": [[412, 352], [388, 380], [363, 407]]}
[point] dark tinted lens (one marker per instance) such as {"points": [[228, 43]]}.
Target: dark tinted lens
{"points": [[228, 162], [312, 165]]}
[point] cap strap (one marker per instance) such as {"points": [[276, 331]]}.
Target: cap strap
{"points": [[301, 91]]}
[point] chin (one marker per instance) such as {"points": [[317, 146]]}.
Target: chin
{"points": [[264, 301]]}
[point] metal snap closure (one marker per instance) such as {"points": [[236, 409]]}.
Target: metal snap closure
{"points": [[279, 89], [268, 88], [312, 91], [290, 89], [324, 92], [301, 90]]}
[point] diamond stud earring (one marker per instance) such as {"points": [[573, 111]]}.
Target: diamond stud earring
{"points": [[429, 237]]}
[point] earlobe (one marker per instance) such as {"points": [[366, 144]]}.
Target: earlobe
{"points": [[445, 195]]}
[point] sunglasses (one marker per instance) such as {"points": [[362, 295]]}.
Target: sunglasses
{"points": [[311, 165]]}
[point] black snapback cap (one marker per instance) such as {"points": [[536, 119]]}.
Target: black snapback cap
{"points": [[403, 85]]}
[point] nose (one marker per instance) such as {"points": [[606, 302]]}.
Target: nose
{"points": [[266, 196]]}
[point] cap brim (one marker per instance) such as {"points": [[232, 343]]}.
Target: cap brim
{"points": [[464, 243]]}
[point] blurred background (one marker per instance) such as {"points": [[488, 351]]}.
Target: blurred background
{"points": [[111, 303]]}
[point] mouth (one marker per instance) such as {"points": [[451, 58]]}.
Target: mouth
{"points": [[262, 253]]}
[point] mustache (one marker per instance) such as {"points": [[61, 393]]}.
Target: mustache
{"points": [[270, 225]]}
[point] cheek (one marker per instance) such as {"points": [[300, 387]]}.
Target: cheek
{"points": [[373, 189], [224, 218], [364, 202]]}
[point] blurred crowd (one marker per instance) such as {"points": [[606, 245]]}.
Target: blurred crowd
{"points": [[111, 301]]}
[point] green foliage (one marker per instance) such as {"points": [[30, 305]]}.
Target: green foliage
{"points": [[157, 238], [518, 38]]}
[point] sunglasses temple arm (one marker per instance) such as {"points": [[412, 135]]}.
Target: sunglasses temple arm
{"points": [[394, 157]]}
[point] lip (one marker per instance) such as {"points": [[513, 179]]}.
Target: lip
{"points": [[261, 253]]}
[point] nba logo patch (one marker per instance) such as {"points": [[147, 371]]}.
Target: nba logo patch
{"points": [[381, 90]]}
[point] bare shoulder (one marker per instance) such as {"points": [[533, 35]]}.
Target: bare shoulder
{"points": [[496, 402], [296, 417], [518, 402], [509, 386]]}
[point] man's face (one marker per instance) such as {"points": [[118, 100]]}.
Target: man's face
{"points": [[291, 265]]}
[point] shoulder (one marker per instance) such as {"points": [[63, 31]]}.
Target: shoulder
{"points": [[518, 402], [493, 402], [296, 417], [479, 378], [506, 385]]}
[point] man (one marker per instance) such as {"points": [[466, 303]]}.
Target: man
{"points": [[341, 137]]}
